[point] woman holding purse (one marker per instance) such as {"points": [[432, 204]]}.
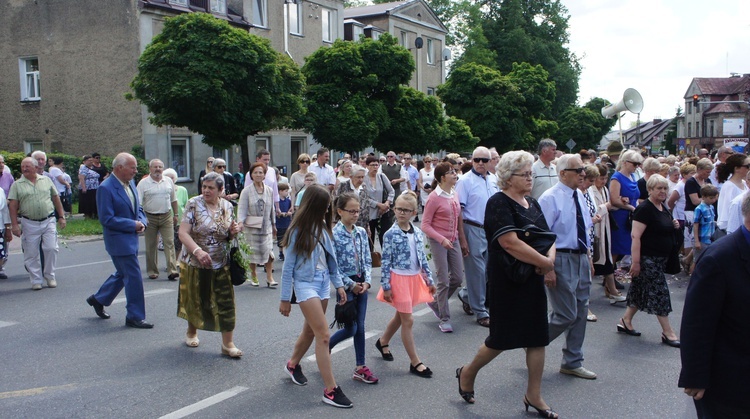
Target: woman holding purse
{"points": [[381, 195], [256, 211]]}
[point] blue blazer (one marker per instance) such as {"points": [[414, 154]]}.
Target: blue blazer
{"points": [[714, 334], [118, 218]]}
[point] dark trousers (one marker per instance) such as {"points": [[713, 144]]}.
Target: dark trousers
{"points": [[708, 408], [381, 225]]}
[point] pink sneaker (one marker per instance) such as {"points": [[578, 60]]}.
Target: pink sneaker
{"points": [[364, 375]]}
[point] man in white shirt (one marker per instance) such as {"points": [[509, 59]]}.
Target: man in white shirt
{"points": [[395, 172], [721, 157], [271, 180], [157, 196], [493, 164], [569, 284], [544, 174], [324, 173]]}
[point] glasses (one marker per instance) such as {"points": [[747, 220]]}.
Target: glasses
{"points": [[374, 164], [481, 159], [527, 175], [407, 158], [391, 157], [352, 212], [578, 170], [428, 161], [746, 166], [403, 210], [209, 161], [382, 159], [634, 163], [451, 172], [221, 167], [304, 162]]}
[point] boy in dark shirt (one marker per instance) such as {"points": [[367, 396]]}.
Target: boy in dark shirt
{"points": [[285, 218]]}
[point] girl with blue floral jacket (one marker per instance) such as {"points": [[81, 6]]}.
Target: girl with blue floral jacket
{"points": [[406, 280]]}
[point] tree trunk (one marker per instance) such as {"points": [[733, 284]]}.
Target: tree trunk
{"points": [[245, 155]]}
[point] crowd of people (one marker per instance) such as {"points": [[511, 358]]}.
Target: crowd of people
{"points": [[524, 235]]}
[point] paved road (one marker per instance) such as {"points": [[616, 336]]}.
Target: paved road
{"points": [[60, 360]]}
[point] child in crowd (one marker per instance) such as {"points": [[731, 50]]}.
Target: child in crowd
{"points": [[283, 220], [406, 280], [703, 222], [310, 179], [309, 268], [355, 263]]}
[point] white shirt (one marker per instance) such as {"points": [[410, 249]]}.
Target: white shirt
{"points": [[542, 178], [559, 210], [473, 192], [55, 172], [324, 175], [728, 193], [156, 197], [403, 174], [734, 218]]}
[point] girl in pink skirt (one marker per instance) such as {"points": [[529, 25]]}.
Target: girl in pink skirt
{"points": [[406, 280]]}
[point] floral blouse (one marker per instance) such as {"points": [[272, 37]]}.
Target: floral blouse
{"points": [[352, 253], [209, 230], [364, 202], [397, 255], [91, 177]]}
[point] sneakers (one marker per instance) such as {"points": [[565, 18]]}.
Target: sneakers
{"points": [[296, 374], [281, 256], [336, 398], [364, 375], [445, 327], [579, 372], [36, 287], [51, 283]]}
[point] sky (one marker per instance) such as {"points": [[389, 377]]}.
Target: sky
{"points": [[656, 47]]}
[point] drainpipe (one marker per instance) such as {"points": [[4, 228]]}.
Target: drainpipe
{"points": [[286, 26]]}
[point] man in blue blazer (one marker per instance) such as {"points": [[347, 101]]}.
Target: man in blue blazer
{"points": [[715, 337], [122, 219]]}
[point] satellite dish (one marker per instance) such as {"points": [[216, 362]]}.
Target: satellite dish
{"points": [[446, 54], [418, 42]]}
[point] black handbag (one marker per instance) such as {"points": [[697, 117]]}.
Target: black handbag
{"points": [[345, 314], [236, 270]]}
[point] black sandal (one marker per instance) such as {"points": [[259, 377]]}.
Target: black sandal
{"points": [[386, 356], [425, 373], [547, 413], [468, 396]]}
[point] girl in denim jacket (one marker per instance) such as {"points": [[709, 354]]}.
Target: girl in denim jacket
{"points": [[355, 263], [406, 280], [309, 267]]}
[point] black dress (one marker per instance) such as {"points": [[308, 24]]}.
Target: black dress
{"points": [[518, 312]]}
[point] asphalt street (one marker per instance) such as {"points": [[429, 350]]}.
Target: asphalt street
{"points": [[61, 361]]}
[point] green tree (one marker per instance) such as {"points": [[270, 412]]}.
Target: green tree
{"points": [[351, 88], [671, 134], [489, 102], [217, 80], [581, 125], [457, 136], [605, 125], [416, 124]]}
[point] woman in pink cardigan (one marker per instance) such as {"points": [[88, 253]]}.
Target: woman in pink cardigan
{"points": [[443, 224]]}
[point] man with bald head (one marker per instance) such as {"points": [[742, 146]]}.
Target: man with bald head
{"points": [[474, 189], [122, 219], [33, 202], [157, 195]]}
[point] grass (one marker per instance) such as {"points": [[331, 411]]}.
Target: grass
{"points": [[80, 226]]}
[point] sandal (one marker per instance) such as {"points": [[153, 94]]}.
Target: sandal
{"points": [[484, 321], [425, 373], [254, 281], [231, 352], [468, 396], [591, 317], [192, 342], [386, 356]]}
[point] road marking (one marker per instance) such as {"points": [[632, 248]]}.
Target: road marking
{"points": [[346, 343], [422, 312], [32, 391], [196, 407], [90, 263], [145, 294], [6, 324]]}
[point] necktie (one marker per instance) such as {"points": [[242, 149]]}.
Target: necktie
{"points": [[580, 225], [130, 196]]}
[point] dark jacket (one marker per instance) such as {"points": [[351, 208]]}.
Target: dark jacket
{"points": [[715, 336]]}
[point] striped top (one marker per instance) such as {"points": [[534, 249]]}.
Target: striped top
{"points": [[34, 199]]}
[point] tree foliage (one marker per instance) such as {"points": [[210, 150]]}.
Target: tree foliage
{"points": [[585, 124], [352, 88], [217, 80]]}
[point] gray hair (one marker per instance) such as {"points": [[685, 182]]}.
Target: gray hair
{"points": [[673, 170], [746, 205], [170, 173], [630, 155], [32, 160], [651, 165], [2, 158], [121, 159], [153, 161], [215, 178], [219, 162], [704, 163], [39, 153], [546, 143], [564, 161], [656, 180], [357, 168], [482, 150], [509, 163]]}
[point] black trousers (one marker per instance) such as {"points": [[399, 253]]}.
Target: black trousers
{"points": [[381, 225]]}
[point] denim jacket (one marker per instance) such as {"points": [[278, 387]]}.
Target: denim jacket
{"points": [[397, 254], [300, 268], [345, 243]]}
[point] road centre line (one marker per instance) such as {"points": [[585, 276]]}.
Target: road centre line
{"points": [[346, 343], [32, 391], [145, 294], [196, 407], [90, 263], [6, 324]]}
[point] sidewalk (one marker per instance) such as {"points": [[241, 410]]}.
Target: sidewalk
{"points": [[14, 247]]}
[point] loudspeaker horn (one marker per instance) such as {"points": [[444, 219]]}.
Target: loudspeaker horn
{"points": [[631, 101]]}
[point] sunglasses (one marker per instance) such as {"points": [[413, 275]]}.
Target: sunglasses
{"points": [[481, 159], [304, 162], [527, 175], [746, 166], [221, 167], [578, 170], [634, 163]]}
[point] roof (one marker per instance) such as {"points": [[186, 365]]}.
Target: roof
{"points": [[231, 16], [646, 131], [724, 107], [722, 85], [392, 9]]}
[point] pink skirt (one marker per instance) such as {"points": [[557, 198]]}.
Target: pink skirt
{"points": [[407, 291]]}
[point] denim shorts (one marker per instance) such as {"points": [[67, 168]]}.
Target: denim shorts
{"points": [[320, 287]]}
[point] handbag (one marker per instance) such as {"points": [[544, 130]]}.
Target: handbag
{"points": [[253, 221], [236, 270], [345, 314], [376, 257]]}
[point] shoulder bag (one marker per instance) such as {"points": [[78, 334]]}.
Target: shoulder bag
{"points": [[236, 270]]}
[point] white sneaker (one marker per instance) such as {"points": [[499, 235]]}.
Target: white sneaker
{"points": [[36, 287], [52, 283]]}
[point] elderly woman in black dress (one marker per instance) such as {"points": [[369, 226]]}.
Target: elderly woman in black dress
{"points": [[518, 311]]}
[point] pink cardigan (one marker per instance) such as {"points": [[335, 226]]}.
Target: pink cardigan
{"points": [[441, 217]]}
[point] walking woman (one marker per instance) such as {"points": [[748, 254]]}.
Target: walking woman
{"points": [[732, 174], [355, 185], [297, 179], [206, 295], [381, 195], [623, 198], [309, 268], [88, 183], [653, 240], [256, 211], [518, 311], [443, 224], [602, 251], [424, 182]]}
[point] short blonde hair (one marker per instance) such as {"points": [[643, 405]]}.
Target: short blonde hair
{"points": [[630, 155], [408, 196], [656, 180], [511, 162]]}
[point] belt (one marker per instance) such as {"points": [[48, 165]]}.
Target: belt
{"points": [[472, 223], [156, 215], [42, 219], [574, 251]]}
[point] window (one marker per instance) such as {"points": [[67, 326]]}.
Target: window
{"points": [[295, 18], [689, 107], [219, 6], [698, 132], [711, 128], [376, 35], [690, 129], [260, 8], [261, 143], [329, 25], [29, 69], [32, 145], [404, 40], [430, 52], [357, 32], [430, 91], [179, 156], [179, 2]]}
